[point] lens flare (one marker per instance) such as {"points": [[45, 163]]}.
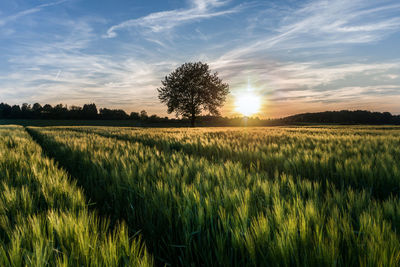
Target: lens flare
{"points": [[248, 103]]}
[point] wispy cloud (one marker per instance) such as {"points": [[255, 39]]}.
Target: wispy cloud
{"points": [[274, 77], [292, 51], [29, 11], [166, 20], [311, 82], [81, 78], [326, 23], [317, 28]]}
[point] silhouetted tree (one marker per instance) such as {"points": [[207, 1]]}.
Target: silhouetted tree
{"points": [[36, 110], [36, 107], [113, 114], [47, 111], [5, 110], [154, 118], [343, 117], [134, 116], [59, 112], [89, 111], [75, 112], [15, 112], [143, 115], [26, 111], [192, 88]]}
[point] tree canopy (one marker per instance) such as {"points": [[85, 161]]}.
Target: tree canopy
{"points": [[191, 89], [62, 112]]}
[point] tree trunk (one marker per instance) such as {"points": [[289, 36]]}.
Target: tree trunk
{"points": [[192, 119]]}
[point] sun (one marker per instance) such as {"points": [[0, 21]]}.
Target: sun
{"points": [[247, 103]]}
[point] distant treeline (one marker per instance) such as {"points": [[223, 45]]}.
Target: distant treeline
{"points": [[61, 112], [344, 117], [90, 112]]}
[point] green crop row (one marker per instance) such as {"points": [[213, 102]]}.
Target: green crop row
{"points": [[44, 218], [363, 158], [199, 198]]}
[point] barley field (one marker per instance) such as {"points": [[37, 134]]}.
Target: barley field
{"points": [[277, 196]]}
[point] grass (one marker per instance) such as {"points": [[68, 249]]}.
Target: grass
{"points": [[256, 196], [44, 216]]}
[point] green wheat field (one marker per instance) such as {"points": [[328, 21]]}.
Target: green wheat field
{"points": [[278, 196]]}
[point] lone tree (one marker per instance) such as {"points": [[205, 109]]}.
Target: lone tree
{"points": [[192, 88]]}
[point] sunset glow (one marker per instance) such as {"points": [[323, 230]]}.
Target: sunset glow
{"points": [[306, 56], [248, 104]]}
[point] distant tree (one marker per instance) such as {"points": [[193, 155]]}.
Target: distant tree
{"points": [[134, 116], [89, 111], [15, 112], [154, 118], [36, 110], [26, 111], [47, 108], [5, 110], [344, 117], [75, 108], [386, 117], [47, 111], [143, 115], [36, 107], [59, 111], [192, 88], [112, 114], [75, 112], [25, 107]]}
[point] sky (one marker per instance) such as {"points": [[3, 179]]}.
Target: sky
{"points": [[297, 56]]}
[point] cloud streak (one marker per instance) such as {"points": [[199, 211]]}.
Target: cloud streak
{"points": [[291, 54], [27, 12], [326, 23], [166, 20]]}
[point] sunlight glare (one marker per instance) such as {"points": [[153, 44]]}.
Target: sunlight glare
{"points": [[248, 103]]}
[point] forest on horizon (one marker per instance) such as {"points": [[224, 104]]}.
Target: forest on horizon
{"points": [[91, 112]]}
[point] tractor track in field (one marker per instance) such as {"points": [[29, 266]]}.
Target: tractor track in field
{"points": [[46, 219], [100, 206], [73, 176]]}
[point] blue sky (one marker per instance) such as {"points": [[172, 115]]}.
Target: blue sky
{"points": [[299, 56]]}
